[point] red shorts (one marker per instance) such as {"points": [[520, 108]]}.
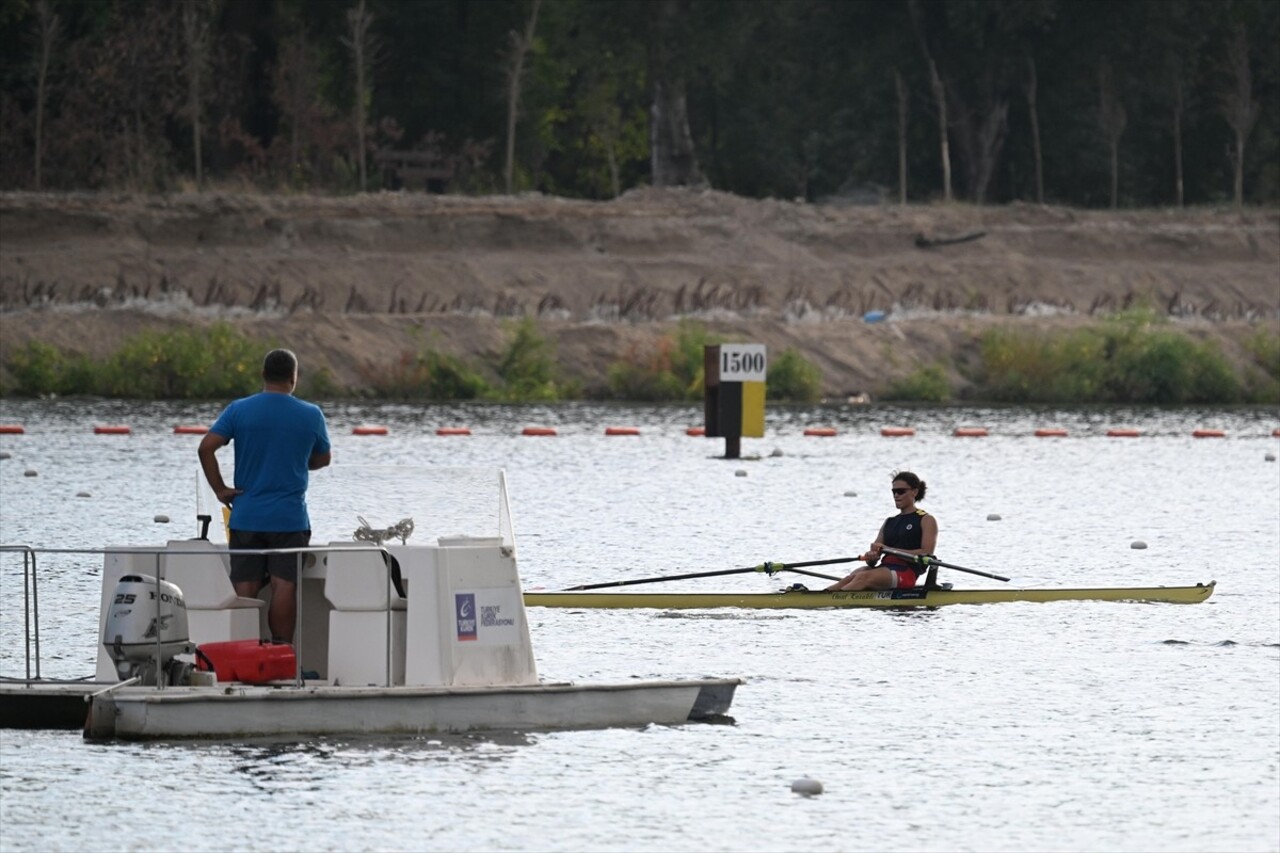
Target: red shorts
{"points": [[904, 578]]}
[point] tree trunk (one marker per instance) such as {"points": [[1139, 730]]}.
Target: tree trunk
{"points": [[520, 46], [904, 103], [615, 180], [673, 160], [1177, 140], [1237, 103], [1115, 172], [940, 97], [48, 25], [980, 134], [1239, 181], [1035, 128], [195, 30], [358, 22], [1112, 118]]}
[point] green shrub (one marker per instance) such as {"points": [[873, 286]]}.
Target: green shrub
{"points": [[528, 367], [1022, 367], [646, 375], [425, 375], [794, 378], [1264, 346], [671, 369], [927, 384], [1124, 361], [688, 357], [1165, 367], [195, 363], [37, 368], [216, 362], [318, 384]]}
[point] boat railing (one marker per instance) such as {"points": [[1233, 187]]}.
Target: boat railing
{"points": [[31, 590]]}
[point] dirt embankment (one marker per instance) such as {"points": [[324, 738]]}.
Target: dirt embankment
{"points": [[351, 283]]}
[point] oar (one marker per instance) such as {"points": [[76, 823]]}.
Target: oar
{"points": [[926, 560], [763, 567]]}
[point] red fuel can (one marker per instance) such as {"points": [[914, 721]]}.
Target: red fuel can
{"points": [[250, 661]]}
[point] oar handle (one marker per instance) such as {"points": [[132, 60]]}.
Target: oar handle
{"points": [[926, 560], [772, 568]]}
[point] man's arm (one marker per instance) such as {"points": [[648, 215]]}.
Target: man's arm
{"points": [[207, 451], [319, 460]]}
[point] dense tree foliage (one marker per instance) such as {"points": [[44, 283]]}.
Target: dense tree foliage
{"points": [[1084, 102]]}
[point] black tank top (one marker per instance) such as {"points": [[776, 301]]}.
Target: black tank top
{"points": [[904, 532]]}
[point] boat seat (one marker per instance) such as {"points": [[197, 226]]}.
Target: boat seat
{"points": [[214, 612], [366, 607]]}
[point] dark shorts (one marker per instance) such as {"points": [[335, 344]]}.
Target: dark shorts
{"points": [[257, 567]]}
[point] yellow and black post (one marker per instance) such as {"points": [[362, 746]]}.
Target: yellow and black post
{"points": [[733, 393]]}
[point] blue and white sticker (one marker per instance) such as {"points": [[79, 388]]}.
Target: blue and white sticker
{"points": [[464, 607]]}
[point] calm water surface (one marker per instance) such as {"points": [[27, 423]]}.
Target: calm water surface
{"points": [[1067, 726]]}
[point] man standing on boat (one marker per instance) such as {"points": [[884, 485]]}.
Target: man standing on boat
{"points": [[278, 440], [912, 530]]}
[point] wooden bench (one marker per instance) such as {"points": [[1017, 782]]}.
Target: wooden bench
{"points": [[413, 170]]}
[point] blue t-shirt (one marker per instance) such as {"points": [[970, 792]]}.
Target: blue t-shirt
{"points": [[274, 436]]}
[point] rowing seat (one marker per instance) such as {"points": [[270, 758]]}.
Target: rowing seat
{"points": [[366, 608], [215, 613]]}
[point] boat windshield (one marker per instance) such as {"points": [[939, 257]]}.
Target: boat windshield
{"points": [[439, 502]]}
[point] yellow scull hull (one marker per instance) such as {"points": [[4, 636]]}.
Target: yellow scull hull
{"points": [[892, 599]]}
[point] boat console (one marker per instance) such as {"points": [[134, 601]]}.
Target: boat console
{"points": [[460, 621]]}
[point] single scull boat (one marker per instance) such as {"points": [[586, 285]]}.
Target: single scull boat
{"points": [[898, 598]]}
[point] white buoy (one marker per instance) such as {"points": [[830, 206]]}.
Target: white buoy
{"points": [[993, 516], [1138, 545], [739, 473], [30, 472], [851, 494], [808, 787], [162, 519], [83, 495]]}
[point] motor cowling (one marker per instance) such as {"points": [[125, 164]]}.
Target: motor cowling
{"points": [[147, 616]]}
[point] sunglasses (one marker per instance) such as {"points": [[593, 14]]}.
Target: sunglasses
{"points": [[900, 491]]}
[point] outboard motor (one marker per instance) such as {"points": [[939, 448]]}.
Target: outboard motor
{"points": [[133, 624]]}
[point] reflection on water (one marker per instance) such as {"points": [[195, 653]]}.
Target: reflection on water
{"points": [[1073, 725]]}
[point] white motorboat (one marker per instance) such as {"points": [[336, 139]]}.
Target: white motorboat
{"points": [[444, 647]]}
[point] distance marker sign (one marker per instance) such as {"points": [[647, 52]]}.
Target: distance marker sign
{"points": [[742, 363], [734, 391]]}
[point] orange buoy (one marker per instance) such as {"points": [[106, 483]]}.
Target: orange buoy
{"points": [[369, 430], [970, 432], [894, 432], [106, 429], [1209, 433], [190, 429], [1275, 432], [538, 431], [16, 429], [703, 431], [821, 432], [453, 431], [1123, 433], [621, 431], [1051, 432]]}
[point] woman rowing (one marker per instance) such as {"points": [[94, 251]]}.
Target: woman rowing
{"points": [[912, 530]]}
